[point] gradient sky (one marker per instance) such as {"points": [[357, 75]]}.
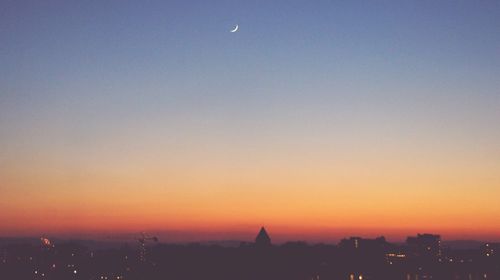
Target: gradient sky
{"points": [[318, 119]]}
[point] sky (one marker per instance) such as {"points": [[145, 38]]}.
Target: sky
{"points": [[317, 119]]}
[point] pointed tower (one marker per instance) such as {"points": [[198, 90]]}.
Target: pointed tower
{"points": [[263, 238]]}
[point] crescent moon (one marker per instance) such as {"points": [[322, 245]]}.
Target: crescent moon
{"points": [[235, 29]]}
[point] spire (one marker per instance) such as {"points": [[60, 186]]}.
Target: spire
{"points": [[263, 238]]}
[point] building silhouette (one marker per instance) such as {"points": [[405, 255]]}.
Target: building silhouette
{"points": [[354, 258], [263, 239], [363, 243], [425, 245]]}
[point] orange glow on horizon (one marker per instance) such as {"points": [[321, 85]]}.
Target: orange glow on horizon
{"points": [[318, 121], [311, 195]]}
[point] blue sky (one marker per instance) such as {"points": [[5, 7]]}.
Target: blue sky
{"points": [[109, 61], [387, 83]]}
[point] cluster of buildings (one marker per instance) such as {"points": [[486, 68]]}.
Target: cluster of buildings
{"points": [[421, 257]]}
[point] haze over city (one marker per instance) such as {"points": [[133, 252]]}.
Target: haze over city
{"points": [[317, 119]]}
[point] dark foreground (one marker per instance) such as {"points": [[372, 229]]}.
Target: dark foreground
{"points": [[421, 257]]}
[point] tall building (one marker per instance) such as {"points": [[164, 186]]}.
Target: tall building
{"points": [[263, 238], [425, 245]]}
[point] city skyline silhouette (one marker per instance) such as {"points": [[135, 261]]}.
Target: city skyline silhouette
{"points": [[423, 256], [249, 139]]}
